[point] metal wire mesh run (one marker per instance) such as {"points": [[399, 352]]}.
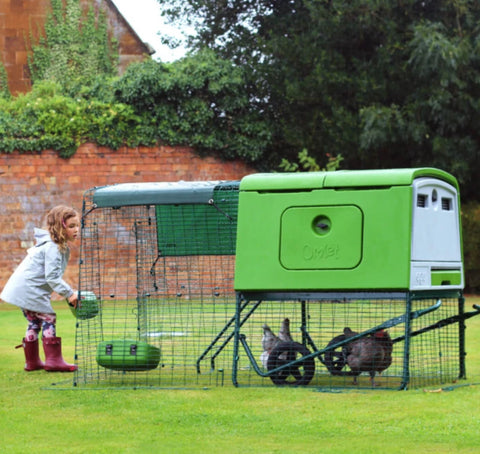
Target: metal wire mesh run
{"points": [[168, 316], [163, 277], [426, 346]]}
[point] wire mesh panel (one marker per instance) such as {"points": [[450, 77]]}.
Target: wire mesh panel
{"points": [[422, 345], [163, 277], [436, 346]]}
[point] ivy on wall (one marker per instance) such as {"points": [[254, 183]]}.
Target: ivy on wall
{"points": [[76, 46], [47, 119], [4, 91], [198, 102], [70, 102]]}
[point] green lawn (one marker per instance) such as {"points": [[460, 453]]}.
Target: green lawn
{"points": [[36, 417]]}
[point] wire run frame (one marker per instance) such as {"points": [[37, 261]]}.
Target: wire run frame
{"points": [[159, 260], [431, 360]]}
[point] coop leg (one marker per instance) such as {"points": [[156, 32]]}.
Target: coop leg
{"points": [[461, 337], [303, 328], [236, 339], [406, 351]]}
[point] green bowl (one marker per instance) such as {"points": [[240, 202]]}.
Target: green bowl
{"points": [[87, 306]]}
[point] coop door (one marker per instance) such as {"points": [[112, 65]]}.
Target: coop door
{"points": [[149, 280], [321, 237], [436, 232], [436, 241]]}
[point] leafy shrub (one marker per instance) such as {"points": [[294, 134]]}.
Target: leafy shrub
{"points": [[471, 245], [4, 91], [198, 101], [46, 119]]}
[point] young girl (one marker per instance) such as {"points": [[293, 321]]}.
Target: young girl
{"points": [[31, 285]]}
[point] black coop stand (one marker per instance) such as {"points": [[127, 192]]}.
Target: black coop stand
{"points": [[436, 358]]}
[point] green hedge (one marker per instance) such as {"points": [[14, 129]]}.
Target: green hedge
{"points": [[44, 119], [471, 245], [198, 102]]}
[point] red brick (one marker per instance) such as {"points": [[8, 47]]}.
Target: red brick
{"points": [[34, 182]]}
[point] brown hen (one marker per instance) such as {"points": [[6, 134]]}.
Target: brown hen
{"points": [[370, 354]]}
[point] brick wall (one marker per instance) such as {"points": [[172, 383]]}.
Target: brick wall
{"points": [[31, 183]]}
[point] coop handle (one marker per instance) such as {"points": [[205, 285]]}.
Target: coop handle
{"points": [[421, 312], [402, 318], [442, 323], [385, 325]]}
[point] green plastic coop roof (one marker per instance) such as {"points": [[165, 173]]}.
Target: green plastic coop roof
{"points": [[161, 193], [340, 179]]}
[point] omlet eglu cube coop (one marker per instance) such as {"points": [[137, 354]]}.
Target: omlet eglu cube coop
{"points": [[340, 279]]}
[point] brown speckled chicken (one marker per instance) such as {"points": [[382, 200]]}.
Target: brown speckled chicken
{"points": [[370, 354], [348, 347]]}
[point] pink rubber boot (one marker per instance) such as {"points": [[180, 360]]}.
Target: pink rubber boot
{"points": [[53, 356], [32, 358]]}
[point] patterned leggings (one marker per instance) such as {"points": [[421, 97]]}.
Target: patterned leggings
{"points": [[37, 321]]}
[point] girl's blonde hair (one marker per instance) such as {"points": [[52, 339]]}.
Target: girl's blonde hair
{"points": [[57, 219]]}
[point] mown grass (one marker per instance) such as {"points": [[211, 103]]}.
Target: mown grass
{"points": [[39, 418]]}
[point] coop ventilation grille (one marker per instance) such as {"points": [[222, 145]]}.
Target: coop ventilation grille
{"points": [[421, 200], [446, 204]]}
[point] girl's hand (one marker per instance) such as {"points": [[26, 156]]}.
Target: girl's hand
{"points": [[73, 299]]}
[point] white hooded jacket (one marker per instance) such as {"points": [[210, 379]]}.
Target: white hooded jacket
{"points": [[38, 276]]}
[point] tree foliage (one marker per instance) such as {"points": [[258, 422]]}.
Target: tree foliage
{"points": [[471, 245], [384, 84], [308, 164]]}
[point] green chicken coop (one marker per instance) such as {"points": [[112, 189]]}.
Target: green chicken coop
{"points": [[347, 279], [354, 256]]}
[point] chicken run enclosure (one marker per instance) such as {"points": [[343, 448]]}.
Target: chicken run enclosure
{"points": [[341, 279]]}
